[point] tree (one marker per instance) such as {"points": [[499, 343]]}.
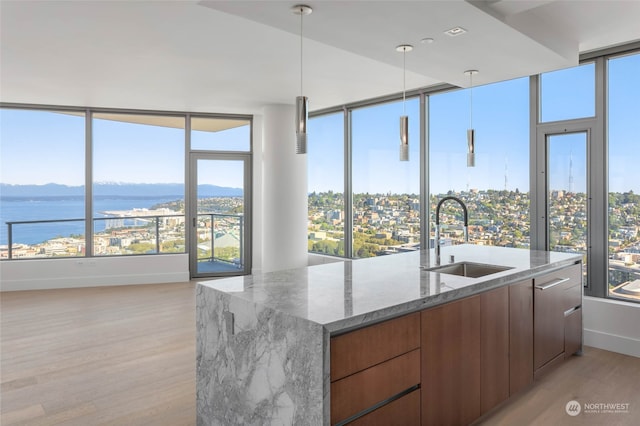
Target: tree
{"points": [[141, 248]]}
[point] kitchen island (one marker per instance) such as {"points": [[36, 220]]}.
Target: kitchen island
{"points": [[264, 341]]}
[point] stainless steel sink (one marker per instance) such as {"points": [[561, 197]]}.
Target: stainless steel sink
{"points": [[468, 269]]}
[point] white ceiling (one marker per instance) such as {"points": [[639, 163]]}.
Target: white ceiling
{"points": [[237, 56]]}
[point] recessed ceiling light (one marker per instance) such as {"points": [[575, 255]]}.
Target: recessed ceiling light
{"points": [[455, 31], [427, 40], [404, 48]]}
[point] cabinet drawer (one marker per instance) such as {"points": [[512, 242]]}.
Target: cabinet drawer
{"points": [[572, 296], [554, 294], [368, 346], [564, 285], [573, 332], [403, 411], [353, 394]]}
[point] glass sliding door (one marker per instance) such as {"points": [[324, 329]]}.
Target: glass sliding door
{"points": [[220, 215]]}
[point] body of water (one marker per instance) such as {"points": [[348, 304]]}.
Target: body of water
{"points": [[19, 209]]}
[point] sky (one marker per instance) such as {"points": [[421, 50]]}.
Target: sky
{"points": [[54, 151], [39, 147], [501, 123]]}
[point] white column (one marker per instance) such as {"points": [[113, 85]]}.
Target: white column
{"points": [[284, 203]]}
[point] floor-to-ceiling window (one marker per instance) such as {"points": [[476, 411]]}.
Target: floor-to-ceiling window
{"points": [[386, 191], [623, 114], [546, 149], [325, 168], [42, 183], [496, 190], [107, 182], [138, 184]]}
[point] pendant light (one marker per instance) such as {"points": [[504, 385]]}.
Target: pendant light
{"points": [[471, 133], [404, 119], [301, 101]]}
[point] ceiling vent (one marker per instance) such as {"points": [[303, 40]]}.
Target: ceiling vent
{"points": [[455, 31]]}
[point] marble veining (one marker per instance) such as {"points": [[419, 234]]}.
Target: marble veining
{"points": [[263, 340], [256, 365], [344, 295]]}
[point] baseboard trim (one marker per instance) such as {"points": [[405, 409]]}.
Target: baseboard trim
{"points": [[92, 281], [612, 342]]}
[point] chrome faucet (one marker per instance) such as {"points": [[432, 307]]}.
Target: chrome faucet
{"points": [[466, 223]]}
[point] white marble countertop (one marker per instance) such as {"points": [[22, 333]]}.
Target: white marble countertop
{"points": [[345, 295]]}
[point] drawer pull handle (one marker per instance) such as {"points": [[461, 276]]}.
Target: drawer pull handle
{"points": [[570, 311], [553, 283], [378, 405]]}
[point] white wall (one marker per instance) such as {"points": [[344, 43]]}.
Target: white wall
{"points": [[41, 274], [612, 325], [284, 192]]}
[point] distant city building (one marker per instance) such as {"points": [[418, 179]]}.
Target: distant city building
{"points": [[317, 235]]}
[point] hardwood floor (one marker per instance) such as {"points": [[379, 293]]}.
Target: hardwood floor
{"points": [[596, 377], [99, 356], [126, 356]]}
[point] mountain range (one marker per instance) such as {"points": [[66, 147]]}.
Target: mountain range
{"points": [[116, 189]]}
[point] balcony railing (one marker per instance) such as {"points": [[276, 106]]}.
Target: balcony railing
{"points": [[115, 228], [223, 241], [221, 238]]}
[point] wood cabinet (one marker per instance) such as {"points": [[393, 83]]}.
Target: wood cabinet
{"points": [[520, 336], [455, 362], [465, 358], [556, 296], [494, 348], [573, 313], [373, 372], [573, 332], [404, 411], [354, 351], [451, 363]]}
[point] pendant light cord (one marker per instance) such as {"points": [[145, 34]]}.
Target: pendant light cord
{"points": [[301, 71], [471, 100], [404, 80]]}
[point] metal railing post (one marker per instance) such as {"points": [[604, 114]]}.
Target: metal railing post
{"points": [[157, 234], [213, 238], [241, 218], [10, 239]]}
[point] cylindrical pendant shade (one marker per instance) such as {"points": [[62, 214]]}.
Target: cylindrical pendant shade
{"points": [[471, 148], [301, 124], [404, 138], [404, 152]]}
